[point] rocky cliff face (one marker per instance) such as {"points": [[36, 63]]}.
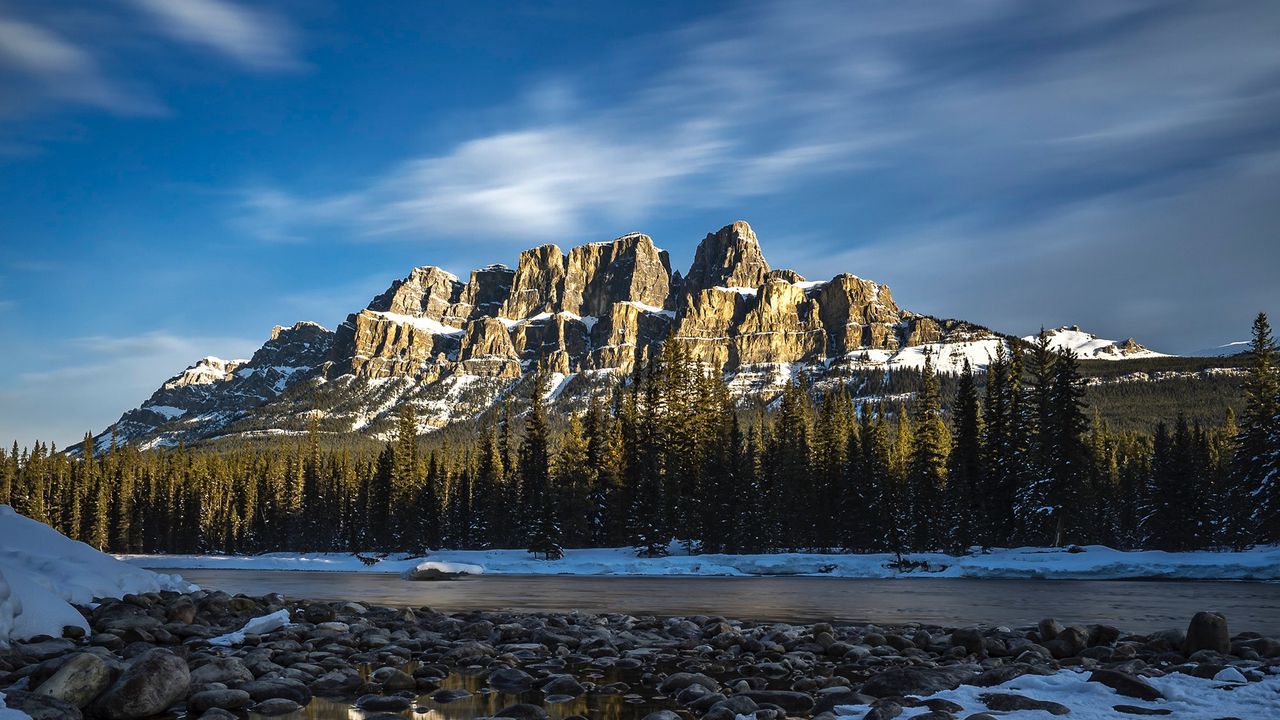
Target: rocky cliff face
{"points": [[588, 317]]}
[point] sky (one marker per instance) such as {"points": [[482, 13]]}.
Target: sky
{"points": [[178, 176]]}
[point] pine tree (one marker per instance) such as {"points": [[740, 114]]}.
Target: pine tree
{"points": [[1257, 456], [927, 466], [574, 481], [965, 471], [538, 500]]}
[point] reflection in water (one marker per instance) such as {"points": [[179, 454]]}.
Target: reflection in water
{"points": [[483, 703]]}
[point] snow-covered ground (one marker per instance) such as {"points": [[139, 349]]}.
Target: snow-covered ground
{"points": [[42, 572], [1095, 562], [1185, 698]]}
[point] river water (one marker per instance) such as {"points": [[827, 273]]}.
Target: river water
{"points": [[1131, 605]]}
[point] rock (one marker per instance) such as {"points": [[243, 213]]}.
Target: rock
{"points": [[1100, 635], [1004, 673], [44, 650], [730, 257], [276, 706], [1207, 631], [676, 682], [149, 686], [883, 710], [41, 707], [226, 699], [182, 611], [226, 670], [337, 683], [450, 695], [916, 681], [317, 613], [1136, 710], [1068, 643], [662, 715], [791, 701], [971, 639], [522, 711], [81, 678], [1049, 629], [1010, 702], [285, 688], [384, 703], [1231, 675], [1126, 684], [731, 708], [563, 685], [394, 679], [218, 714], [510, 680]]}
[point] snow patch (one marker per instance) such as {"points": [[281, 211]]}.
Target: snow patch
{"points": [[257, 626], [42, 572], [435, 327]]}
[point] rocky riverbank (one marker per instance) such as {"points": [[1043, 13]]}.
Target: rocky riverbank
{"points": [[196, 653]]}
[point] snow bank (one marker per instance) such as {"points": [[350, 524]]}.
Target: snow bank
{"points": [[1094, 562], [1186, 697], [257, 626], [42, 572]]}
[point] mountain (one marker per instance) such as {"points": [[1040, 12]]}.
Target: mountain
{"points": [[587, 317]]}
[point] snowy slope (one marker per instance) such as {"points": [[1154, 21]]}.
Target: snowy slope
{"points": [[1095, 562], [1088, 346], [42, 572]]}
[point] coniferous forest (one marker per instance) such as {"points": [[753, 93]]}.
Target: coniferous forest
{"points": [[1016, 458]]}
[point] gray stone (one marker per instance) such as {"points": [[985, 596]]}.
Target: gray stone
{"points": [[81, 678], [1207, 631], [916, 681], [276, 706], [1126, 684], [226, 670], [152, 684], [789, 700], [522, 711], [1009, 702], [226, 699], [510, 680]]}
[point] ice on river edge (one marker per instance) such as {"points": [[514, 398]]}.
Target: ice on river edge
{"points": [[1088, 562]]}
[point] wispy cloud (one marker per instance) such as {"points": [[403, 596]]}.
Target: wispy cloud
{"points": [[993, 104], [254, 38], [97, 56], [45, 66]]}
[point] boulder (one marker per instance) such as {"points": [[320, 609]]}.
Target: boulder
{"points": [[1207, 631], [81, 678], [152, 684], [1125, 684]]}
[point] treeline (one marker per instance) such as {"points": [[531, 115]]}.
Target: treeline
{"points": [[669, 457]]}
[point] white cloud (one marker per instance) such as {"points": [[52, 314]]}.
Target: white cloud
{"points": [[252, 37]]}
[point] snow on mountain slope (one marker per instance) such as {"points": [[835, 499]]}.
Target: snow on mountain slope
{"points": [[1087, 346]]}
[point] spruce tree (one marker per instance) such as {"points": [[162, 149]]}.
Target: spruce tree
{"points": [[927, 466], [965, 471], [1257, 455]]}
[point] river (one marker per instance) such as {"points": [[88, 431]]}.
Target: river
{"points": [[1131, 605]]}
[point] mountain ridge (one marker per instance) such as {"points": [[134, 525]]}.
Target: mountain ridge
{"points": [[588, 317]]}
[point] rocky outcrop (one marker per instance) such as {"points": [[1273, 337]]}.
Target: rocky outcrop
{"points": [[629, 269], [427, 292], [730, 257], [487, 350], [857, 313], [374, 345], [781, 326], [538, 284]]}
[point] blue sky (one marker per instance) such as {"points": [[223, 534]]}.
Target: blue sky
{"points": [[176, 176]]}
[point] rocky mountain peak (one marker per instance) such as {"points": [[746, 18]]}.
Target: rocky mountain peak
{"points": [[729, 257], [538, 283], [628, 269], [426, 292]]}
